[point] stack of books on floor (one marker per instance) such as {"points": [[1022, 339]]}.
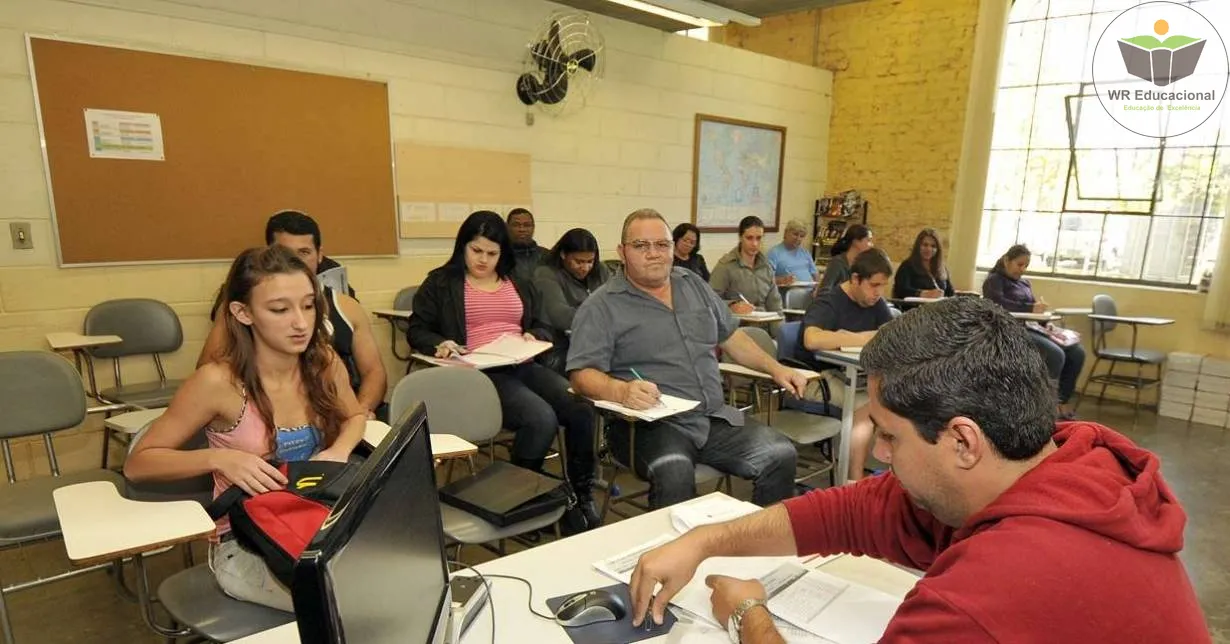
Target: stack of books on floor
{"points": [[1196, 388]]}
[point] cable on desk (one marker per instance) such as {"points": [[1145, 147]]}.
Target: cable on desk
{"points": [[490, 597], [529, 600]]}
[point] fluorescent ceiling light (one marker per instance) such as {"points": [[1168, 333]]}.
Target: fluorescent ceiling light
{"points": [[692, 12]]}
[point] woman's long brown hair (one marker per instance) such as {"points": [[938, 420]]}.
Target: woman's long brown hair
{"points": [[250, 268], [936, 268]]}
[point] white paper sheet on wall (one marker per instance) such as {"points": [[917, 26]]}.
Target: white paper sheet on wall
{"points": [[114, 134]]}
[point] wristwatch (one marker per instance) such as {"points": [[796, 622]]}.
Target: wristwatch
{"points": [[735, 625]]}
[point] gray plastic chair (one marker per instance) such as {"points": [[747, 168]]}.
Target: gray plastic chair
{"points": [[1105, 305], [192, 596], [147, 327], [41, 394], [736, 384], [463, 402], [798, 297], [404, 301]]}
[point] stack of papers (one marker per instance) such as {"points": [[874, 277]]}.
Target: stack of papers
{"points": [[854, 350], [759, 315], [709, 510], [801, 599], [667, 406]]}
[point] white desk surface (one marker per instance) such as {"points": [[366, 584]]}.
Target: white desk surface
{"points": [[799, 284], [759, 317], [731, 369], [66, 340], [798, 312], [99, 525], [566, 566], [442, 445], [1064, 311], [841, 357], [1124, 319], [1035, 317], [401, 314], [131, 422]]}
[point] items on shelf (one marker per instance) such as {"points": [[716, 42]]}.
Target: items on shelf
{"points": [[832, 216]]}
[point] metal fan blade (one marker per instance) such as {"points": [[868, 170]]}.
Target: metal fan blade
{"points": [[528, 89], [555, 90], [584, 58]]}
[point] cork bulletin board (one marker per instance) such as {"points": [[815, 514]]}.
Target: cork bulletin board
{"points": [[440, 186], [155, 157]]}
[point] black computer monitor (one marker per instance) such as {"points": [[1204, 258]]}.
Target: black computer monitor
{"points": [[376, 572]]}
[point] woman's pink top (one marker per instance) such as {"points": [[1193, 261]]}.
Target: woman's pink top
{"points": [[491, 315]]}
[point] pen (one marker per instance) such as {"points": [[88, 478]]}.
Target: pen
{"points": [[637, 375], [743, 298]]}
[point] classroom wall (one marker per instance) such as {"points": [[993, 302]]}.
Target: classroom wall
{"points": [[451, 67], [901, 76]]}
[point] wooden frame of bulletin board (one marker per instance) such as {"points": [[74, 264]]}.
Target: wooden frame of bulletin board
{"points": [[155, 157], [440, 186]]}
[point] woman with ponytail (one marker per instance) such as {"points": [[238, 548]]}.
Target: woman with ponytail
{"points": [[278, 391], [856, 239]]}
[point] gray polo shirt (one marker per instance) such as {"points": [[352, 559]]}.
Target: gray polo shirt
{"points": [[620, 328]]}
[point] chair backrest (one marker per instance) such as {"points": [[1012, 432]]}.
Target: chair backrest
{"points": [[760, 337], [1102, 305], [788, 340], [460, 401], [613, 265], [798, 298], [42, 393], [404, 301], [146, 326], [198, 488]]}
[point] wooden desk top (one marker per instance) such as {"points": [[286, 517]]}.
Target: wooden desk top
{"points": [[99, 525], [68, 340]]}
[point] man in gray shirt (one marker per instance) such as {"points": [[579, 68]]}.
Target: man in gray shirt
{"points": [[651, 330]]}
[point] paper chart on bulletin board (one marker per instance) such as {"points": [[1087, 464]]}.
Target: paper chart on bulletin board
{"points": [[440, 186]]}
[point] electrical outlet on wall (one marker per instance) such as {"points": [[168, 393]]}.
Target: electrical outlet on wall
{"points": [[20, 232]]}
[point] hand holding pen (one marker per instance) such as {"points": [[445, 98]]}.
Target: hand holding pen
{"points": [[742, 306], [640, 394]]}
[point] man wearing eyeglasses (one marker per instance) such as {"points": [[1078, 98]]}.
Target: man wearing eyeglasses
{"points": [[652, 330]]}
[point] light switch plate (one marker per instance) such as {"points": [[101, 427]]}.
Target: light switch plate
{"points": [[20, 232]]}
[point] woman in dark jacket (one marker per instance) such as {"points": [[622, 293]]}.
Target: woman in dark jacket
{"points": [[855, 240], [569, 272], [1006, 285], [687, 250], [473, 299], [923, 274]]}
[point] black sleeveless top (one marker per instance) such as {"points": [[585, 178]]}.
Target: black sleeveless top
{"points": [[342, 331]]}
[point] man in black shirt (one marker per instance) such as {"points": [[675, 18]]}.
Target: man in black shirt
{"points": [[849, 316]]}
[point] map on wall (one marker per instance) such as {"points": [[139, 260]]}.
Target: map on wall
{"points": [[737, 172]]}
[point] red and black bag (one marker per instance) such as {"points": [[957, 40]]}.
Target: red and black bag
{"points": [[279, 525]]}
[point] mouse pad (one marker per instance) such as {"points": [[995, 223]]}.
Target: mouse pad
{"points": [[617, 631]]}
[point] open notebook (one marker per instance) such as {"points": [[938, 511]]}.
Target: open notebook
{"points": [[503, 351]]}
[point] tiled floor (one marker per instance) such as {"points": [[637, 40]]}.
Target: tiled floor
{"points": [[88, 608]]}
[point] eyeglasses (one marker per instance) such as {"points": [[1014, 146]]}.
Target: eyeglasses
{"points": [[643, 245]]}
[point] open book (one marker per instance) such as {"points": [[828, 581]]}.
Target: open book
{"points": [[667, 406], [505, 350]]}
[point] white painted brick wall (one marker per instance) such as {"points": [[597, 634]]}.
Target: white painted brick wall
{"points": [[450, 65]]}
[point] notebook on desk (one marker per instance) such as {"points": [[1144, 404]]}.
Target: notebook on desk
{"points": [[759, 315], [667, 406], [501, 352]]}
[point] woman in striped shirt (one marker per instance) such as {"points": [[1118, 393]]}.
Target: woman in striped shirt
{"points": [[472, 300]]}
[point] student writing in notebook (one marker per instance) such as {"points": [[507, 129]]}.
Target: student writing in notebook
{"points": [[652, 330], [348, 326], [791, 260], [475, 298], [276, 391], [849, 316], [923, 273], [1026, 531], [744, 277]]}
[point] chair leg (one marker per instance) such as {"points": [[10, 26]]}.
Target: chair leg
{"points": [[106, 445], [1109, 372], [1139, 385], [1088, 380], [5, 625]]}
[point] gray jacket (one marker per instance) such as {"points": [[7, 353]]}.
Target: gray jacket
{"points": [[732, 278], [562, 293], [835, 272]]}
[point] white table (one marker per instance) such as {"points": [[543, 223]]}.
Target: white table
{"points": [[566, 566], [442, 445], [759, 317], [1035, 317], [393, 314], [78, 344], [850, 362], [1125, 319], [789, 313], [99, 525]]}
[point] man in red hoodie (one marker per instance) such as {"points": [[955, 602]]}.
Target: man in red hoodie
{"points": [[1027, 532]]}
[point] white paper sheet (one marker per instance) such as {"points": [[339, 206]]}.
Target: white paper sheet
{"points": [[114, 134], [686, 516], [667, 406]]}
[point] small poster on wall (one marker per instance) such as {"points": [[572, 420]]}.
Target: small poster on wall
{"points": [[113, 134]]}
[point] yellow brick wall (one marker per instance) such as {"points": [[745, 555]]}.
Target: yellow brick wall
{"points": [[901, 73]]}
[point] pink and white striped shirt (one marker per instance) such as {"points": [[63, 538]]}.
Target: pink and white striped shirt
{"points": [[490, 315]]}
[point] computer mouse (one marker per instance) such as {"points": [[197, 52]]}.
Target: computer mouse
{"points": [[590, 607]]}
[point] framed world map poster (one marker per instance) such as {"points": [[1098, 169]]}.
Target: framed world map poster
{"points": [[736, 172]]}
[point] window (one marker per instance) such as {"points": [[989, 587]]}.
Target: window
{"points": [[1091, 199]]}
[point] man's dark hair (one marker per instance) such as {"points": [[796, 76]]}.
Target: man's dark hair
{"points": [[488, 225], [519, 211], [871, 262], [968, 357], [292, 222]]}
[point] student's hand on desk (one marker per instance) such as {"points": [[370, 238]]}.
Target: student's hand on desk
{"points": [[250, 472], [790, 380], [448, 348], [1040, 306], [729, 592], [741, 308], [640, 394], [530, 337], [931, 293], [673, 565]]}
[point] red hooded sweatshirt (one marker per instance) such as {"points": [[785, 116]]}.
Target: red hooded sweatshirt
{"points": [[1082, 549]]}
